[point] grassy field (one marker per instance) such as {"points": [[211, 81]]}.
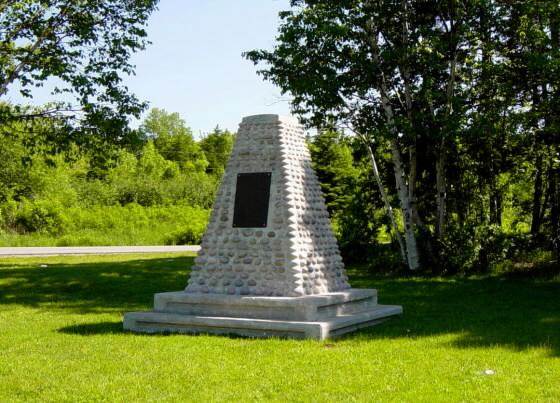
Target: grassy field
{"points": [[116, 225], [476, 339]]}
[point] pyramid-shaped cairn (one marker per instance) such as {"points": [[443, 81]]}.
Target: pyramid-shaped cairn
{"points": [[269, 264], [290, 251]]}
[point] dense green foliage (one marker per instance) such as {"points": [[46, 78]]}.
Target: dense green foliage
{"points": [[62, 324], [158, 192], [454, 107], [363, 229], [174, 140], [351, 197], [437, 142], [84, 49], [39, 224], [217, 147]]}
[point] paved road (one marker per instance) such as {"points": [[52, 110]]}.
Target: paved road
{"points": [[94, 250]]}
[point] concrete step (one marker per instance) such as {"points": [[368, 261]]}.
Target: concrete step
{"points": [[164, 322], [306, 308]]}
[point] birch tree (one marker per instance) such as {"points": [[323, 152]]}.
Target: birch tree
{"points": [[374, 67]]}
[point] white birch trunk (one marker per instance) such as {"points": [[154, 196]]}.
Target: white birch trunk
{"points": [[412, 255], [405, 197], [388, 206]]}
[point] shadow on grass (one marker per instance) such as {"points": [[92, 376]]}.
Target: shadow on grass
{"points": [[100, 328], [481, 312], [93, 287], [89, 329]]}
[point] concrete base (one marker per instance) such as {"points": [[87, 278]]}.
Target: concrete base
{"points": [[314, 316]]}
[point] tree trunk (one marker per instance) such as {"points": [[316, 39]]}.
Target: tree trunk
{"points": [[441, 179], [537, 195], [405, 197], [555, 204], [495, 208], [548, 192], [555, 170], [412, 255], [388, 206], [495, 202], [538, 152], [441, 192]]}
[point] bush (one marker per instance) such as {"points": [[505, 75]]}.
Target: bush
{"points": [[189, 236], [8, 214], [107, 225], [94, 192], [40, 216], [481, 248]]}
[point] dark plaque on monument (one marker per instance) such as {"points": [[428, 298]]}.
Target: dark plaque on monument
{"points": [[252, 194]]}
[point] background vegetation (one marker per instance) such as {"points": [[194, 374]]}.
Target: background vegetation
{"points": [[437, 130], [453, 107], [437, 146], [156, 190]]}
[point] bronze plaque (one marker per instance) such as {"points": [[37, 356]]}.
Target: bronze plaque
{"points": [[252, 195]]}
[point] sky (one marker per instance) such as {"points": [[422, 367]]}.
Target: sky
{"points": [[194, 64]]}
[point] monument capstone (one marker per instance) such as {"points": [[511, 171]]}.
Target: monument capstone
{"points": [[269, 263]]}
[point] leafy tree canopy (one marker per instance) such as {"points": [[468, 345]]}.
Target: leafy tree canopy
{"points": [[84, 47], [173, 139], [217, 147]]}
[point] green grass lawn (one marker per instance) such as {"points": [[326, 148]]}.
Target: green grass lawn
{"points": [[61, 339]]}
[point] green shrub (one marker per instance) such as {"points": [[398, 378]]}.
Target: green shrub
{"points": [[189, 236], [8, 214], [95, 192], [80, 240], [481, 248], [106, 225], [40, 216]]}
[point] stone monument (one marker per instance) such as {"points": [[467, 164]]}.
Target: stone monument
{"points": [[269, 264]]}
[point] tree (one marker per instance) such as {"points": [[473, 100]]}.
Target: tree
{"points": [[173, 139], [217, 147], [370, 64], [14, 177], [86, 47], [334, 164], [348, 190], [534, 53]]}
